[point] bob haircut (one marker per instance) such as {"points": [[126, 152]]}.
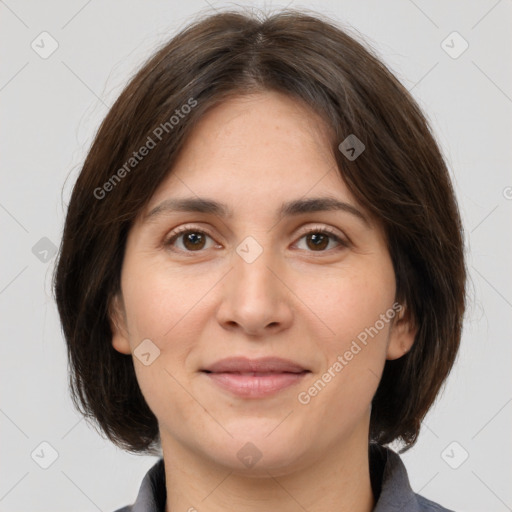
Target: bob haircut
{"points": [[400, 178]]}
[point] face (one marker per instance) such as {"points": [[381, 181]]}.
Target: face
{"points": [[313, 286]]}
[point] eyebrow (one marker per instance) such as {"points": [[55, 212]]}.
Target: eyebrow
{"points": [[287, 209]]}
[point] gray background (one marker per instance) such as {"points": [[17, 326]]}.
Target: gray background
{"points": [[51, 108]]}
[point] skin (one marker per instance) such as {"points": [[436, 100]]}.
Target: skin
{"points": [[295, 301]]}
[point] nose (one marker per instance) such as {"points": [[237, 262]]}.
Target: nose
{"points": [[255, 298]]}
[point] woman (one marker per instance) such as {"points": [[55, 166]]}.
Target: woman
{"points": [[262, 271]]}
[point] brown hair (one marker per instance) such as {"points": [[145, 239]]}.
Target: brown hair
{"points": [[400, 178]]}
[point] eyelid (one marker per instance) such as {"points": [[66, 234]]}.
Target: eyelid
{"points": [[322, 228]]}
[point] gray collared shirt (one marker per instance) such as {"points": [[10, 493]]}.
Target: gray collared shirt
{"points": [[388, 476]]}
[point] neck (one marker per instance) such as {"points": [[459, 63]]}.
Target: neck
{"points": [[339, 480]]}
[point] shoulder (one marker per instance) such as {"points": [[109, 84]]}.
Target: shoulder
{"points": [[392, 487], [430, 506], [152, 491]]}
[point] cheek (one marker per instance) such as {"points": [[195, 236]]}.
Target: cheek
{"points": [[356, 309], [159, 301], [165, 306], [349, 301], [166, 393]]}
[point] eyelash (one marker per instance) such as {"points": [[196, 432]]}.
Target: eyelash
{"points": [[191, 229]]}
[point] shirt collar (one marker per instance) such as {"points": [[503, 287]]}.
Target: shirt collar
{"points": [[388, 475]]}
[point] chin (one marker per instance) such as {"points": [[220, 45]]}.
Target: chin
{"points": [[258, 448]]}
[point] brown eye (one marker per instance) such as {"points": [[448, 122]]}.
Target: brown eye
{"points": [[317, 240], [192, 240]]}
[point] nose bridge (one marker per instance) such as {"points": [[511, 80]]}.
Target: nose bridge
{"points": [[253, 297], [252, 263]]}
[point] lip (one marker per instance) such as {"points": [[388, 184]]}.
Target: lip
{"points": [[260, 365], [255, 378]]}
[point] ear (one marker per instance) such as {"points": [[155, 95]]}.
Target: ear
{"points": [[402, 334], [117, 316]]}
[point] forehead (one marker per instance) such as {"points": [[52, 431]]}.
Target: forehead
{"points": [[254, 151]]}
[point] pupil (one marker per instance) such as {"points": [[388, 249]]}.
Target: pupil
{"points": [[319, 240], [194, 239]]}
